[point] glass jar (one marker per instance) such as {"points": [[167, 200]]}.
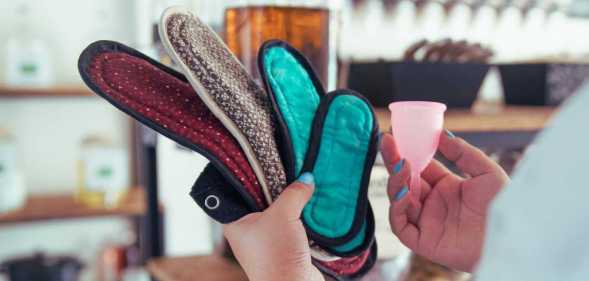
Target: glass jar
{"points": [[12, 189], [308, 25], [103, 172]]}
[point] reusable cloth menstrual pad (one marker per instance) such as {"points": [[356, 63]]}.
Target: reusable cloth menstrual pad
{"points": [[228, 90], [231, 121], [335, 137], [160, 98], [350, 267]]}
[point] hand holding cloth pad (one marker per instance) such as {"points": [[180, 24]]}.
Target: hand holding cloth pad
{"points": [[310, 122], [330, 135]]}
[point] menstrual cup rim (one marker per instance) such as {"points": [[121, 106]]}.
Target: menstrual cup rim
{"points": [[424, 104]]}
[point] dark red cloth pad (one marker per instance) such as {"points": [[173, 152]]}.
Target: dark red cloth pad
{"points": [[170, 102], [347, 266], [350, 268]]}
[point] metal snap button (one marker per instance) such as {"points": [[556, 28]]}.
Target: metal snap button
{"points": [[212, 202]]}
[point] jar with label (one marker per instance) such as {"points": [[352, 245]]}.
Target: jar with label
{"points": [[12, 190], [103, 172], [28, 58]]}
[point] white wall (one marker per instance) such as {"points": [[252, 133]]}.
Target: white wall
{"points": [[187, 227], [48, 131], [67, 26]]}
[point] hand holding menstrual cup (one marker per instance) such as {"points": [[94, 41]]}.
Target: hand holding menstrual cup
{"points": [[416, 128]]}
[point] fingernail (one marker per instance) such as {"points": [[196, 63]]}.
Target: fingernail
{"points": [[449, 134], [307, 178], [397, 168], [401, 193]]}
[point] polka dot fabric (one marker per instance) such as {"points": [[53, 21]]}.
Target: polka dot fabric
{"points": [[171, 103]]}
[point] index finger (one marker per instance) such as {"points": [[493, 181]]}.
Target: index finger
{"points": [[388, 150], [390, 155], [467, 158]]}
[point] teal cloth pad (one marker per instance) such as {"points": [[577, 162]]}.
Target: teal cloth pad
{"points": [[339, 166], [296, 98], [354, 243], [331, 135]]}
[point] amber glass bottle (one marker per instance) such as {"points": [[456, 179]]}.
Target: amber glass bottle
{"points": [[309, 28]]}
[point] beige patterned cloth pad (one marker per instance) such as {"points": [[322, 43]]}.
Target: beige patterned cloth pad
{"points": [[231, 94], [228, 91]]}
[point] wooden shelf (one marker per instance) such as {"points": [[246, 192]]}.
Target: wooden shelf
{"points": [[508, 119], [55, 91], [53, 207], [202, 268]]}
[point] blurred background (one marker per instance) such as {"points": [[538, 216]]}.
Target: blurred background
{"points": [[88, 194]]}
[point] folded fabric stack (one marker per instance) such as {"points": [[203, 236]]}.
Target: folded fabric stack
{"points": [[257, 140]]}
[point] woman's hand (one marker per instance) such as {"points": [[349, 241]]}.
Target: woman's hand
{"points": [[273, 245], [445, 220]]}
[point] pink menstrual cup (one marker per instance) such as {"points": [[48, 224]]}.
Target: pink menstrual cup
{"points": [[416, 128]]}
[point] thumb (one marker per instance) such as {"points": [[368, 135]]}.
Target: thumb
{"points": [[293, 199]]}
